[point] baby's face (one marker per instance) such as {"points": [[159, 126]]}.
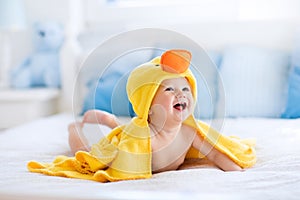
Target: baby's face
{"points": [[173, 100]]}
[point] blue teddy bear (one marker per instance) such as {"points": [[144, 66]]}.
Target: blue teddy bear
{"points": [[42, 68]]}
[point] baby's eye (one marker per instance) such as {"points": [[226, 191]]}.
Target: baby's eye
{"points": [[169, 89], [186, 89]]}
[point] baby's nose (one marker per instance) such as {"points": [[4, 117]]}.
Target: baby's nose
{"points": [[179, 94]]}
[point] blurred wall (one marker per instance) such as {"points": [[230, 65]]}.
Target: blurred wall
{"points": [[120, 16]]}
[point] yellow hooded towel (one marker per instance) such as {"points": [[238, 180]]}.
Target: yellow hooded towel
{"points": [[125, 154]]}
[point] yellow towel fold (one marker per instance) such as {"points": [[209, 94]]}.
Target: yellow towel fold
{"points": [[125, 154]]}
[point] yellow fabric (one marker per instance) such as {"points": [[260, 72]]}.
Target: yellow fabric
{"points": [[125, 153]]}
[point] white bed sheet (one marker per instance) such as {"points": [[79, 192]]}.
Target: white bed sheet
{"points": [[275, 176]]}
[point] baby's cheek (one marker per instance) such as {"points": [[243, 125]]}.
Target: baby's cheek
{"points": [[158, 109]]}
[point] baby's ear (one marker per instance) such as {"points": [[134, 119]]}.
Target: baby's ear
{"points": [[176, 61]]}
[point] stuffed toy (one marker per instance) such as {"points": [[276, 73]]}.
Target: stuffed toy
{"points": [[41, 68]]}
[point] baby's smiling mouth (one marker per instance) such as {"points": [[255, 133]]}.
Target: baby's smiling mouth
{"points": [[180, 106]]}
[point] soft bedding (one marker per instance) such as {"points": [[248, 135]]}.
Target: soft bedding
{"points": [[275, 176]]}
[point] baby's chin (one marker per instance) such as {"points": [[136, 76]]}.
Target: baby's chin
{"points": [[181, 116]]}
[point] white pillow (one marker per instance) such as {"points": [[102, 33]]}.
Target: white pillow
{"points": [[254, 81]]}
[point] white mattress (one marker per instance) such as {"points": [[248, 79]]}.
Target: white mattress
{"points": [[275, 176]]}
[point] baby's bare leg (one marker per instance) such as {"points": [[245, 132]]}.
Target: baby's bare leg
{"points": [[100, 117], [77, 141]]}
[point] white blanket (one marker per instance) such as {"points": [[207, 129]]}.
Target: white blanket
{"points": [[275, 176]]}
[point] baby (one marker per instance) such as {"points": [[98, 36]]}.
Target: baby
{"points": [[162, 135], [171, 139]]}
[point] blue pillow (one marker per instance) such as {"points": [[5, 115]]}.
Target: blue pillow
{"points": [[254, 80], [206, 76], [108, 92], [292, 109]]}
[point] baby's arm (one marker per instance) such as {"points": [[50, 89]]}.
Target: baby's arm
{"points": [[212, 154], [100, 117]]}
